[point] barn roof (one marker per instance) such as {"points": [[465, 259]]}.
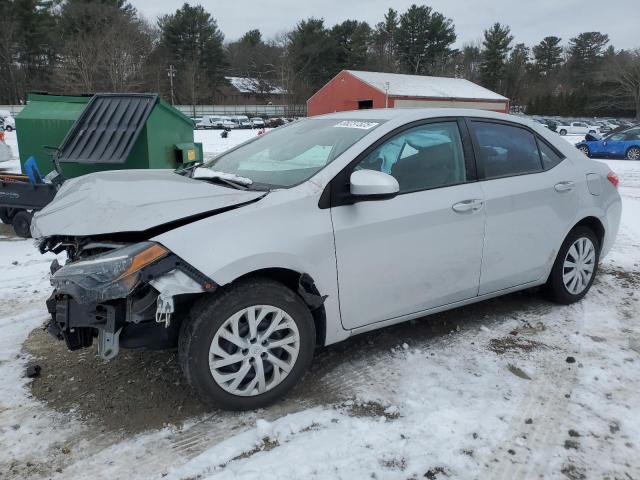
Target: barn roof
{"points": [[423, 86]]}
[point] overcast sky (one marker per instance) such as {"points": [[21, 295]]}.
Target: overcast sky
{"points": [[530, 21]]}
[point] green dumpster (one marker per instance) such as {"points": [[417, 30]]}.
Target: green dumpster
{"points": [[105, 132], [45, 121]]}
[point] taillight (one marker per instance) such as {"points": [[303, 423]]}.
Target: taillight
{"points": [[613, 178]]}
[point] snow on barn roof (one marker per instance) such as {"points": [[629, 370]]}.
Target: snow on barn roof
{"points": [[254, 85], [423, 86]]}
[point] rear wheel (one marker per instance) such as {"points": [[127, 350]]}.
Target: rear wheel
{"points": [[6, 215], [247, 346], [575, 267], [633, 153], [22, 223]]}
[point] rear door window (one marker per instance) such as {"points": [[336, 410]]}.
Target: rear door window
{"points": [[505, 150]]}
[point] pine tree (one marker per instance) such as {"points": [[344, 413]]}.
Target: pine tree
{"points": [[548, 55], [194, 44], [497, 41], [424, 40], [351, 39]]}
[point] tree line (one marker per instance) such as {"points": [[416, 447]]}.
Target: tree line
{"points": [[74, 46]]}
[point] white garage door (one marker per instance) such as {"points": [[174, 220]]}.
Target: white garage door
{"points": [[478, 104]]}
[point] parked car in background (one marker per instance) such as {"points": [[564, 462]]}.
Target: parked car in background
{"points": [[389, 214], [541, 121], [551, 124], [209, 122], [274, 122], [624, 144], [257, 122], [241, 121], [576, 128], [8, 121]]}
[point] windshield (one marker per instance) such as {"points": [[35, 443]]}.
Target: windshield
{"points": [[291, 154]]}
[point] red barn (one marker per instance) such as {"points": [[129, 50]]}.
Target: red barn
{"points": [[354, 90]]}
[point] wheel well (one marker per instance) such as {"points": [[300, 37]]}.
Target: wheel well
{"points": [[595, 225], [296, 281]]}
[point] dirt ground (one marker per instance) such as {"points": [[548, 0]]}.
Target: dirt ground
{"points": [[144, 390]]}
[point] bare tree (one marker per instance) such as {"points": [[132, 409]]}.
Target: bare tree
{"points": [[126, 46], [625, 75]]}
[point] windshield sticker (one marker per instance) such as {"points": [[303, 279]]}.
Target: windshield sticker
{"points": [[356, 124]]}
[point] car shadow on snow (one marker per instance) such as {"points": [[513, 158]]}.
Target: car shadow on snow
{"points": [[144, 390]]}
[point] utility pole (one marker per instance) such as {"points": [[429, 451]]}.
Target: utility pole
{"points": [[171, 72], [386, 94]]}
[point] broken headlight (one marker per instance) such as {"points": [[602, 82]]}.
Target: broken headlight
{"points": [[109, 275]]}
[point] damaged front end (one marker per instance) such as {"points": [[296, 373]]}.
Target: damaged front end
{"points": [[123, 294]]}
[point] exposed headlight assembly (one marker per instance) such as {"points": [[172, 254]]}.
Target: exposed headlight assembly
{"points": [[107, 276]]}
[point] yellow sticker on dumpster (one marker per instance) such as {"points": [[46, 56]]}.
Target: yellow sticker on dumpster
{"points": [[191, 155]]}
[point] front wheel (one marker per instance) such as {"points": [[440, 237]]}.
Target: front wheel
{"points": [[247, 346], [584, 149], [633, 153], [563, 132], [22, 223], [575, 267]]}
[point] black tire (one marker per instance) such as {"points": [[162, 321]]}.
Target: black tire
{"points": [[584, 149], [555, 287], [8, 128], [562, 132], [208, 315], [6, 215], [22, 223], [633, 153]]}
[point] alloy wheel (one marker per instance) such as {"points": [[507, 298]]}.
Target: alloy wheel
{"points": [[633, 153], [254, 350], [584, 149], [579, 265]]}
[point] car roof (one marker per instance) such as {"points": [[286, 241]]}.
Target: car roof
{"points": [[410, 114]]}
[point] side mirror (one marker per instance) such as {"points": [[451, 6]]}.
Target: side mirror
{"points": [[372, 184]]}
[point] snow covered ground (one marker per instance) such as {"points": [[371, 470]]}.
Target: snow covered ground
{"points": [[511, 388]]}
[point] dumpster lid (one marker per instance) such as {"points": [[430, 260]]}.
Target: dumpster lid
{"points": [[107, 129]]}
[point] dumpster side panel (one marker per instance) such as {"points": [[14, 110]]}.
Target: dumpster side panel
{"points": [[166, 127], [45, 121]]}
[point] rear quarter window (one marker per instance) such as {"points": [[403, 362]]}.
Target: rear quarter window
{"points": [[505, 150]]}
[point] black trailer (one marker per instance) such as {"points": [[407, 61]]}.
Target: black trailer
{"points": [[19, 198]]}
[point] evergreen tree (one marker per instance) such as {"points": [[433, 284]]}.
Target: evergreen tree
{"points": [[312, 54], [516, 71], [351, 39], [424, 40], [384, 41], [193, 43], [548, 55], [28, 47], [585, 53], [497, 41]]}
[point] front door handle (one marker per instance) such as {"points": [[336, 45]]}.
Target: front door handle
{"points": [[564, 186], [471, 205]]}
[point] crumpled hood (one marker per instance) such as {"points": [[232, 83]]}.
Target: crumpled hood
{"points": [[131, 201]]}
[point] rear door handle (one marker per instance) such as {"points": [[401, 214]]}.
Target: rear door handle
{"points": [[564, 186], [471, 205]]}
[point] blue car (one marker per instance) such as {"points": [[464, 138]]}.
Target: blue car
{"points": [[625, 144]]}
